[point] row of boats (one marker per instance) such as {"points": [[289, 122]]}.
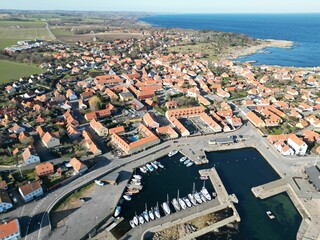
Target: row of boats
{"points": [[150, 167], [186, 161], [192, 199]]}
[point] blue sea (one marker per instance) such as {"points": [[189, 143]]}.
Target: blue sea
{"points": [[302, 29]]}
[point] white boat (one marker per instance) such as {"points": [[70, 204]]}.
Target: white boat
{"points": [[166, 208], [100, 183], [182, 203], [136, 176], [192, 199], [145, 215], [197, 197], [175, 204], [187, 201], [141, 220], [183, 159], [117, 211], [151, 215], [136, 220], [127, 197], [203, 198], [204, 177], [156, 211], [205, 193], [150, 168], [270, 215], [155, 166], [189, 164], [135, 183], [132, 223], [172, 153], [160, 165], [143, 169]]}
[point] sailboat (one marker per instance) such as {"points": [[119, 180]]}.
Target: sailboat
{"points": [[166, 207], [156, 211], [151, 215], [205, 192], [187, 201], [145, 214], [141, 220], [135, 219], [181, 202]]}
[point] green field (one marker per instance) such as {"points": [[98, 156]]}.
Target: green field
{"points": [[23, 24], [11, 71]]}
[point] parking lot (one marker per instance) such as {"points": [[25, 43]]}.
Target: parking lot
{"points": [[201, 125]]}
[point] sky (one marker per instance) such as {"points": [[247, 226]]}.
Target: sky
{"points": [[170, 6]]}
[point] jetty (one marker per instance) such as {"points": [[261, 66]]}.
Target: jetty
{"points": [[198, 156]]}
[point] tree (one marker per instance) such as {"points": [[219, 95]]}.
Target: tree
{"points": [[95, 103]]}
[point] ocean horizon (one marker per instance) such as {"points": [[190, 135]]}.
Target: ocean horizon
{"points": [[302, 29]]}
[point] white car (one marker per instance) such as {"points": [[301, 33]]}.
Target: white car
{"points": [[15, 200]]}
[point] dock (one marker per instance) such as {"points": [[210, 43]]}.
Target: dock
{"points": [[198, 156], [270, 189]]}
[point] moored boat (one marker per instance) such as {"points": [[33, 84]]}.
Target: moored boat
{"points": [[143, 169], [182, 203], [189, 164], [197, 197], [135, 220], [172, 153], [155, 166], [175, 204], [156, 211], [187, 201], [132, 223], [183, 159], [141, 220], [117, 211], [166, 208], [160, 165], [150, 168], [151, 215], [203, 198], [205, 193], [127, 197], [192, 199], [136, 176], [145, 215], [204, 177]]}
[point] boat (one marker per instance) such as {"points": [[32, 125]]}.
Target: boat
{"points": [[117, 211], [172, 153], [197, 197], [175, 204], [187, 201], [151, 215], [189, 164], [155, 166], [136, 176], [137, 183], [160, 165], [192, 199], [150, 168], [166, 208], [203, 198], [182, 203], [127, 197], [145, 215], [204, 177], [133, 191], [206, 194], [136, 220], [156, 211], [132, 223], [183, 159], [100, 183], [270, 215], [141, 220], [143, 169]]}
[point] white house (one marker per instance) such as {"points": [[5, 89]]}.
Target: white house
{"points": [[297, 144], [10, 230], [30, 156], [5, 201], [284, 149], [50, 141], [31, 191]]}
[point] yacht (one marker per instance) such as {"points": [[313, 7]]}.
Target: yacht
{"points": [[183, 159], [141, 220], [192, 199], [145, 215], [150, 168], [172, 153], [205, 193], [166, 208], [155, 166], [117, 211], [197, 197], [156, 211], [135, 220], [151, 215], [143, 169], [182, 203], [175, 204], [187, 201], [136, 176], [132, 223], [189, 164], [127, 197]]}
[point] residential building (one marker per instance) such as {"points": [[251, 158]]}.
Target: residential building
{"points": [[30, 156], [297, 144], [10, 230], [184, 112], [31, 191], [98, 128], [78, 166], [5, 201], [50, 141], [44, 169], [167, 131], [149, 121]]}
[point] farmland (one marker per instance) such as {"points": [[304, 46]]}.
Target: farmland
{"points": [[11, 71]]}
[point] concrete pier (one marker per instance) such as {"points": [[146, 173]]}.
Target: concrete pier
{"points": [[270, 189], [198, 156]]}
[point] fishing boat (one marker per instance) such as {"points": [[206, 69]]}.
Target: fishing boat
{"points": [[192, 199], [127, 197], [172, 153], [197, 197], [206, 194], [141, 220], [204, 177], [187, 201], [136, 176], [135, 220], [155, 166], [151, 215], [175, 204], [183, 159], [132, 223], [156, 211], [143, 169], [150, 168], [189, 164], [117, 211]]}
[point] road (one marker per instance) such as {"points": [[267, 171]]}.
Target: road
{"points": [[34, 216]]}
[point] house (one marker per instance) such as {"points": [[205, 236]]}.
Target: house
{"points": [[50, 141], [255, 120], [31, 190], [167, 131], [101, 130], [5, 201], [126, 96], [149, 121], [179, 126], [297, 144], [44, 169], [88, 144], [210, 122], [71, 95], [30, 156], [97, 114], [78, 166], [119, 129], [184, 112], [10, 230], [283, 148], [16, 129]]}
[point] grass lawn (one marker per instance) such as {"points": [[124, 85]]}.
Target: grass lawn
{"points": [[11, 71], [7, 42]]}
